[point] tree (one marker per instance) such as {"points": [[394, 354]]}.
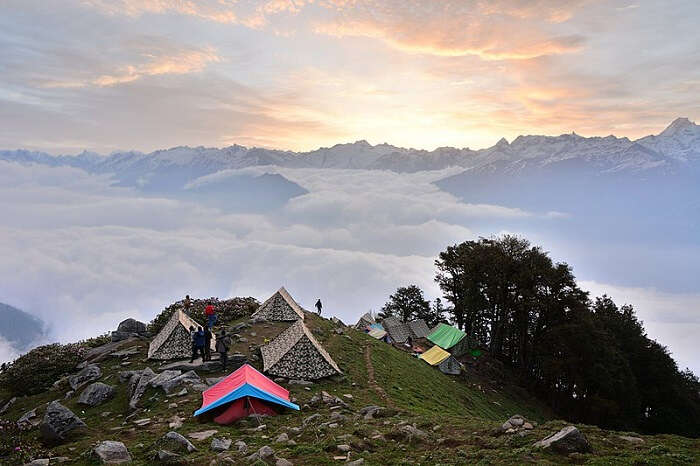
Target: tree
{"points": [[407, 303]]}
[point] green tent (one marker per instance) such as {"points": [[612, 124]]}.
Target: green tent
{"points": [[446, 336]]}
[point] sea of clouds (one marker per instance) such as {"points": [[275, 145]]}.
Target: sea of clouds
{"points": [[83, 255]]}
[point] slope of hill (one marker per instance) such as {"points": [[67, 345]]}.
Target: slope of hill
{"points": [[19, 328], [455, 418]]}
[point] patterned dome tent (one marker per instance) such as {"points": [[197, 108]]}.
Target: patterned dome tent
{"points": [[296, 354], [280, 307], [244, 392], [174, 341]]}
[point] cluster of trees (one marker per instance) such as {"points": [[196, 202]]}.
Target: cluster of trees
{"points": [[589, 359]]}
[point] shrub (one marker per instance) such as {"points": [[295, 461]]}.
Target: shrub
{"points": [[38, 369], [226, 310], [94, 342], [17, 444]]}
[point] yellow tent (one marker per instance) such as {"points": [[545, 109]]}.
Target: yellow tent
{"points": [[435, 355]]}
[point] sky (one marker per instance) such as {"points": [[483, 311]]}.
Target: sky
{"points": [[107, 75]]}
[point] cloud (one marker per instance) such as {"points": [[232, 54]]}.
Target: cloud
{"points": [[490, 30], [7, 351]]}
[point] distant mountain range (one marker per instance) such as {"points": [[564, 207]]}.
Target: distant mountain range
{"points": [[677, 145], [19, 328]]}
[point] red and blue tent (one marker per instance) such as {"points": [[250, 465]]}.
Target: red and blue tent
{"points": [[244, 392]]}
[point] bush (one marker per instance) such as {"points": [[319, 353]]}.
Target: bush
{"points": [[226, 310], [94, 342], [18, 445], [38, 369]]}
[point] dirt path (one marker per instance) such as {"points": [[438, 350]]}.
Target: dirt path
{"points": [[373, 383]]}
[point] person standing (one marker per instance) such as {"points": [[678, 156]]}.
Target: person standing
{"points": [[207, 344], [186, 304], [319, 306], [223, 342], [211, 315], [199, 343]]}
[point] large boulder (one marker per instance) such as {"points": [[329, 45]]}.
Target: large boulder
{"points": [[567, 440], [89, 374], [172, 441], [132, 326], [139, 384], [96, 394], [111, 452], [188, 379], [59, 423]]}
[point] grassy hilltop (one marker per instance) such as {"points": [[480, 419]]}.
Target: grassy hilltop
{"points": [[458, 415]]}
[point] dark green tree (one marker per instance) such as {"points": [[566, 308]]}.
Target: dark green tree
{"points": [[407, 303]]}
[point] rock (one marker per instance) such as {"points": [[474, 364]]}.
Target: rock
{"points": [[143, 422], [39, 462], [28, 419], [190, 379], [175, 422], [213, 380], [262, 454], [59, 423], [300, 382], [132, 326], [111, 452], [220, 444], [357, 462], [91, 373], [166, 376], [506, 426], [177, 442], [372, 411], [410, 433], [241, 446], [627, 438], [203, 435], [343, 448], [172, 405], [8, 405], [125, 353], [281, 438], [516, 421], [567, 440], [283, 462], [528, 426], [168, 457], [69, 394], [140, 385], [96, 394], [348, 396]]}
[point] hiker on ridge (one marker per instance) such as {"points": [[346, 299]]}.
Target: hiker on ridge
{"points": [[207, 344], [186, 304], [319, 306], [223, 342], [211, 315]]}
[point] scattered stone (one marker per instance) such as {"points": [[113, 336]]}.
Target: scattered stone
{"points": [[166, 456], [172, 405], [163, 377], [357, 462], [528, 426], [143, 422], [191, 379], [39, 462], [517, 420], [343, 448], [410, 433], [213, 380], [203, 435], [567, 440], [59, 422], [281, 438], [96, 394], [348, 396], [300, 382], [111, 452], [283, 462], [89, 374], [220, 444], [311, 418], [8, 405], [630, 439], [178, 442], [29, 418], [125, 353], [69, 394], [262, 454], [175, 422], [241, 446]]}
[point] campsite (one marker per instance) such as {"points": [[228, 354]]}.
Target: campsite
{"points": [[307, 390]]}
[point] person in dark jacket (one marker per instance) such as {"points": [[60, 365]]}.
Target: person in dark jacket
{"points": [[193, 340], [223, 342], [199, 344], [207, 344], [319, 306]]}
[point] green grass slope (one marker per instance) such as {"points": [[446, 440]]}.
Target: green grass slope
{"points": [[458, 415]]}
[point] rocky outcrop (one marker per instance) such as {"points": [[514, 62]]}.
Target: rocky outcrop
{"points": [[89, 374], [129, 328], [59, 423], [188, 379], [112, 452], [138, 385], [96, 394], [568, 440]]}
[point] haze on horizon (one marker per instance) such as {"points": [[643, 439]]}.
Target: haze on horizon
{"points": [[150, 74]]}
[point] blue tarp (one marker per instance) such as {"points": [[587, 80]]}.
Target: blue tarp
{"points": [[247, 390]]}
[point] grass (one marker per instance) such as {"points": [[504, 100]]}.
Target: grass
{"points": [[458, 413]]}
